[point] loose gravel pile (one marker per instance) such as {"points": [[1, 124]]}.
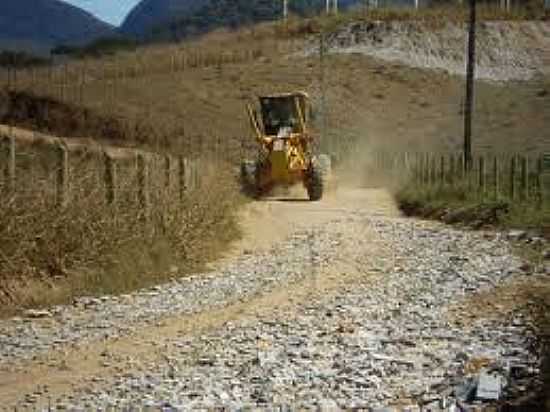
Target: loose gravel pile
{"points": [[384, 338]]}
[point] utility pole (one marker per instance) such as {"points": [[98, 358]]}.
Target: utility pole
{"points": [[285, 9], [470, 77], [327, 6], [323, 123], [335, 6]]}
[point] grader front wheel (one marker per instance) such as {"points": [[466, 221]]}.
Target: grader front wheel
{"points": [[315, 184]]}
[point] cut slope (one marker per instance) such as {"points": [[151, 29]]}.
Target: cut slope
{"points": [[505, 50]]}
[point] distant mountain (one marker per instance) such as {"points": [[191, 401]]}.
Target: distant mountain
{"points": [[38, 25], [152, 13], [174, 19]]}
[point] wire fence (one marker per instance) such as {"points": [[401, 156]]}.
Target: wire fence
{"points": [[515, 177], [70, 80], [58, 173]]}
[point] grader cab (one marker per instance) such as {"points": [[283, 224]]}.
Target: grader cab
{"points": [[286, 147]]}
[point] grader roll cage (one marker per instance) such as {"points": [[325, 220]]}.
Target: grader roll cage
{"points": [[286, 155]]}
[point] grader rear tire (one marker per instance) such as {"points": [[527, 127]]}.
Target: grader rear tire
{"points": [[315, 184]]}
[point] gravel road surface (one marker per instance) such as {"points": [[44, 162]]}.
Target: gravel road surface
{"points": [[330, 305]]}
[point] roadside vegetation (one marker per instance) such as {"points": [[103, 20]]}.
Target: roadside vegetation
{"points": [[462, 205], [51, 252]]}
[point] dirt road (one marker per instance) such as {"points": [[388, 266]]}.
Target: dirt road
{"points": [[340, 303]]}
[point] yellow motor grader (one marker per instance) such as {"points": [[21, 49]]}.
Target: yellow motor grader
{"points": [[286, 147]]}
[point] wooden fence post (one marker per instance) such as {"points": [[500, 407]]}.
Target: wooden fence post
{"points": [[191, 166], [167, 172], [471, 174], [442, 171], [182, 176], [196, 173], [422, 169], [433, 171], [62, 178], [418, 168], [496, 178], [110, 179], [143, 193], [9, 142], [540, 182], [524, 184], [406, 164], [427, 168], [452, 169], [482, 178], [513, 178], [460, 168]]}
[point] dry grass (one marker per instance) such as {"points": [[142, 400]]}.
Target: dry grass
{"points": [[49, 254]]}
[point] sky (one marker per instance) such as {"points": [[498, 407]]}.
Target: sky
{"points": [[111, 11]]}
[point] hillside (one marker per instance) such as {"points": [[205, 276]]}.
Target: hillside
{"points": [[201, 87], [38, 25], [150, 13], [506, 50], [175, 19]]}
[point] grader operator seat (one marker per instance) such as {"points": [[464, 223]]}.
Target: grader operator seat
{"points": [[280, 111]]}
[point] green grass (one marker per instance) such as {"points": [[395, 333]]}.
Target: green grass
{"points": [[461, 205]]}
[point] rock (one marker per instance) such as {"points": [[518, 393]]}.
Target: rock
{"points": [[526, 268], [37, 314], [432, 406], [537, 241], [489, 387], [516, 235], [546, 255], [466, 390]]}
